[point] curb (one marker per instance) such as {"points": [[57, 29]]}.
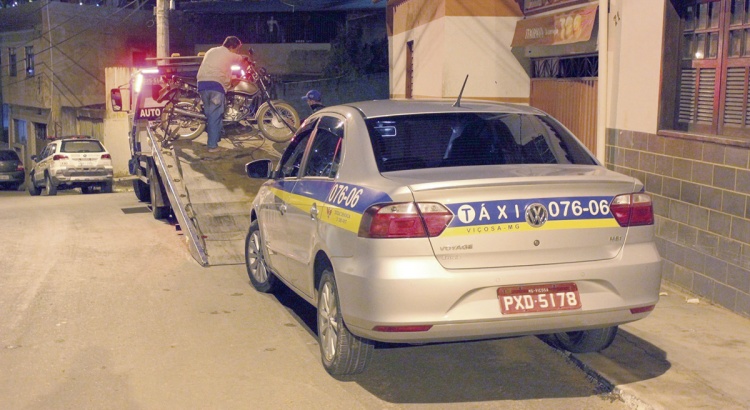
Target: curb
{"points": [[604, 386]]}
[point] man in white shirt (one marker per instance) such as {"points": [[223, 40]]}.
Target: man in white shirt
{"points": [[214, 79]]}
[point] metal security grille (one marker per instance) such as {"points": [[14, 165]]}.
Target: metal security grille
{"points": [[565, 67], [566, 88]]}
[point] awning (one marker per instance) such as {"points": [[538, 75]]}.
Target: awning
{"points": [[571, 26]]}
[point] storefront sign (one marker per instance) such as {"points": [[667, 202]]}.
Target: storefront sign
{"points": [[535, 5], [560, 28]]}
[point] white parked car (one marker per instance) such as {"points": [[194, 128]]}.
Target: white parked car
{"points": [[416, 222], [71, 162]]}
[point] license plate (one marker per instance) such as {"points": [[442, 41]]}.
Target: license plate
{"points": [[4, 177], [538, 298]]}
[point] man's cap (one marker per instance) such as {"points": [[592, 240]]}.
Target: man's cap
{"points": [[313, 95]]}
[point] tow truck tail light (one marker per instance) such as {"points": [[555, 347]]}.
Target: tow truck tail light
{"points": [[405, 220], [59, 157], [633, 209]]}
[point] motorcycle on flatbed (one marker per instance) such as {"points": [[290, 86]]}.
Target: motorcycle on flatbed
{"points": [[249, 102]]}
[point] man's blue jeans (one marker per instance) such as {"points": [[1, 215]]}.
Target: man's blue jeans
{"points": [[213, 107]]}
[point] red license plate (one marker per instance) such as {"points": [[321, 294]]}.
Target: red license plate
{"points": [[538, 298]]}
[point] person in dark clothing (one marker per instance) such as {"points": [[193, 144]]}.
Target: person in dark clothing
{"points": [[314, 98]]}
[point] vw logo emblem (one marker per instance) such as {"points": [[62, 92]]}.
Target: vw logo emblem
{"points": [[536, 215]]}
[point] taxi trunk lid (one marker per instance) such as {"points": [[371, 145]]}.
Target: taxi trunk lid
{"points": [[523, 215]]}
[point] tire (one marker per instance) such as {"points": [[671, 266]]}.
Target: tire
{"points": [[107, 187], [33, 189], [342, 353], [274, 128], [586, 341], [87, 189], [141, 190], [154, 183], [262, 279], [50, 186], [188, 128]]}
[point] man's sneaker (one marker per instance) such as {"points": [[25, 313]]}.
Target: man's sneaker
{"points": [[212, 150]]}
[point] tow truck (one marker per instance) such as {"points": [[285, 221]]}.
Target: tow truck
{"points": [[208, 196]]}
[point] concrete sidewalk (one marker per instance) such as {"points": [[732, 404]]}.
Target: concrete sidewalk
{"points": [[686, 355]]}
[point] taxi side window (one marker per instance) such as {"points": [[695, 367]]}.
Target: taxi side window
{"points": [[325, 150], [292, 158]]}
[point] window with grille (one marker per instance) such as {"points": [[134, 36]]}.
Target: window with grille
{"points": [[29, 61], [12, 62], [714, 67]]}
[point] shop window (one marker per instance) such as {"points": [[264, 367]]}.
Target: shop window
{"points": [[12, 62], [714, 64]]}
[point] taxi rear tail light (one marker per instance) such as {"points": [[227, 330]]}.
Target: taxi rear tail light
{"points": [[642, 309], [402, 329], [59, 157], [633, 209], [106, 156], [405, 220]]}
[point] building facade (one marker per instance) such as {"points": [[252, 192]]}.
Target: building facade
{"points": [[658, 89], [52, 60]]}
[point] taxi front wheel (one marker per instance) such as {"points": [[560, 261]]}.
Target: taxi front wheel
{"points": [[261, 278], [342, 353], [586, 341]]}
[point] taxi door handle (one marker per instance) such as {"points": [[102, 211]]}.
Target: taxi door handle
{"points": [[282, 209], [314, 212]]}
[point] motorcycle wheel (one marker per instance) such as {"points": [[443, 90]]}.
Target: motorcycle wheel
{"points": [[187, 128], [275, 128]]}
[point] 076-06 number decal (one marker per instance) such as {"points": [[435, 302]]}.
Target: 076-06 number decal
{"points": [[344, 195], [576, 208]]}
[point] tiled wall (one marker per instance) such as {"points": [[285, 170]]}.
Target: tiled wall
{"points": [[700, 188]]}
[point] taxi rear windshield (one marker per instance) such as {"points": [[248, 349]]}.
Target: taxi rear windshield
{"points": [[82, 146], [470, 139]]}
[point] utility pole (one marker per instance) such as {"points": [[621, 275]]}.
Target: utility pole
{"points": [[161, 12]]}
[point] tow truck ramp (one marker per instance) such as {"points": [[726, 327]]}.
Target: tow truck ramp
{"points": [[209, 194]]}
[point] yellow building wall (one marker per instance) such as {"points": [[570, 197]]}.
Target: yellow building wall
{"points": [[636, 30], [452, 39]]}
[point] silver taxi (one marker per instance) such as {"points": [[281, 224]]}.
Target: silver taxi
{"points": [[416, 221]]}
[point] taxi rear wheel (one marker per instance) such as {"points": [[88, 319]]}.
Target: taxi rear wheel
{"points": [[262, 279], [50, 187], [586, 341], [342, 353]]}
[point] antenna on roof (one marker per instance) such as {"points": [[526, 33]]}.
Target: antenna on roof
{"points": [[458, 100]]}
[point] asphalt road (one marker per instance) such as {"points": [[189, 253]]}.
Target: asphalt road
{"points": [[103, 308]]}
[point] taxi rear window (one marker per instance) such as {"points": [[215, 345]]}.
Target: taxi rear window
{"points": [[470, 139], [81, 146]]}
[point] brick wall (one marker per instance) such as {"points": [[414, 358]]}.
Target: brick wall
{"points": [[700, 187]]}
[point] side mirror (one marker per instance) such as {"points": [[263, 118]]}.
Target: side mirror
{"points": [[34, 158], [261, 169], [115, 95]]}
